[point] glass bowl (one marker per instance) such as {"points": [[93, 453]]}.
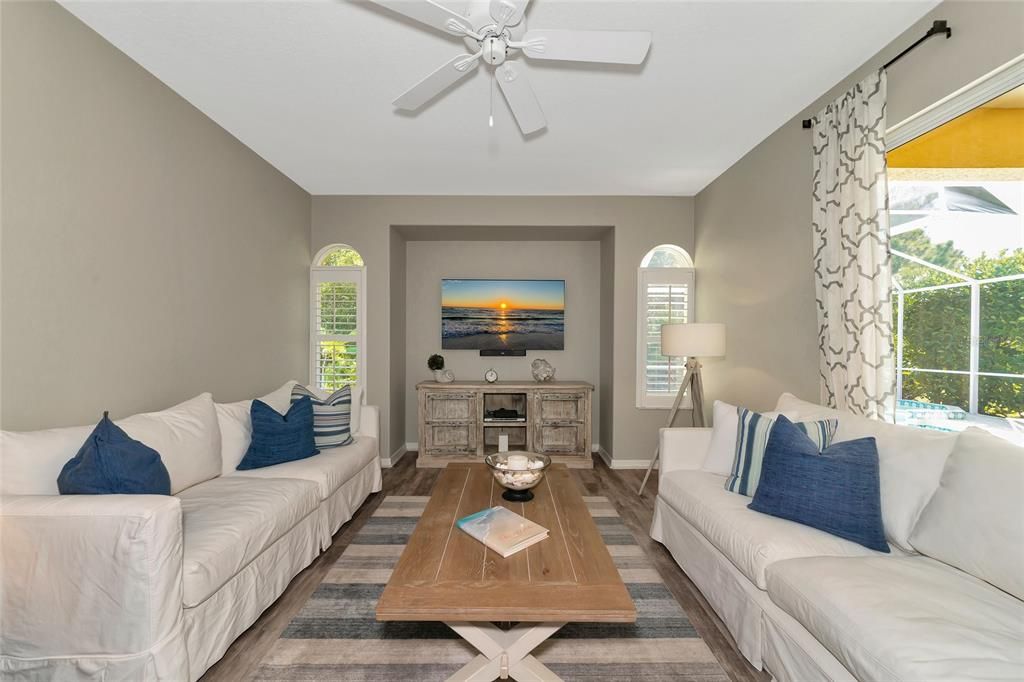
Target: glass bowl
{"points": [[515, 477]]}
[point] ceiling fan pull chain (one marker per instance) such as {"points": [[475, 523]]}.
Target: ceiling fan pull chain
{"points": [[490, 118]]}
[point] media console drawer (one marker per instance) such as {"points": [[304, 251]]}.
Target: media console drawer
{"points": [[458, 422]]}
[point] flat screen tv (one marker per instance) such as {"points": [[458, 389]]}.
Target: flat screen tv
{"points": [[503, 314]]}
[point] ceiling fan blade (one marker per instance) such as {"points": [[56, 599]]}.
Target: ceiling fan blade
{"points": [[520, 97], [508, 12], [430, 13], [434, 84], [609, 47]]}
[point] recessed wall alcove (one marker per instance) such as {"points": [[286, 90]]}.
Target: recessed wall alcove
{"points": [[428, 254]]}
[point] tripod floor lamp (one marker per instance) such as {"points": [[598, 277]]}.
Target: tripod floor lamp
{"points": [[690, 340]]}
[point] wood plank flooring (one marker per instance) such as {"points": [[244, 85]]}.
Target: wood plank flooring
{"points": [[242, 659]]}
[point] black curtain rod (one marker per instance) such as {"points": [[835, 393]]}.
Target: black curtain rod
{"points": [[939, 26]]}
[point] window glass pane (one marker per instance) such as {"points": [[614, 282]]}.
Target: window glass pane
{"points": [[336, 308], [667, 256], [943, 389], [908, 196], [937, 330], [1001, 396], [1001, 347], [665, 303], [336, 364], [974, 200], [342, 257], [916, 243]]}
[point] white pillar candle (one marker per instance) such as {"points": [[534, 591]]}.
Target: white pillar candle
{"points": [[503, 442], [518, 462]]}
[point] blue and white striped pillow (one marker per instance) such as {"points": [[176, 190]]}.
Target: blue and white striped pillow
{"points": [[751, 440], [332, 416]]}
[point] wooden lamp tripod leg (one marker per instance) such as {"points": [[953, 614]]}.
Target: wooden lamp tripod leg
{"points": [[692, 381]]}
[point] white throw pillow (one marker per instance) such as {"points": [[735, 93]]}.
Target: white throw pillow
{"points": [[236, 425], [30, 461], [187, 437], [975, 521], [722, 450], [910, 461]]}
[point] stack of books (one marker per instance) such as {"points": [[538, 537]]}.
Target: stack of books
{"points": [[502, 530]]}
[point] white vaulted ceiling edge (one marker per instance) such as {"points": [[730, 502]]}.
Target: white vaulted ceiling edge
{"points": [[308, 86]]}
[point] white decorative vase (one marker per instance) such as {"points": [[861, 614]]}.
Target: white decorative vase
{"points": [[444, 376]]}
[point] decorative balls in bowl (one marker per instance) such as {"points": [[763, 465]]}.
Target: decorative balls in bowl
{"points": [[517, 472]]}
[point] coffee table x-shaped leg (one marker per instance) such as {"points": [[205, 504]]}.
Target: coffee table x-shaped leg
{"points": [[505, 654]]}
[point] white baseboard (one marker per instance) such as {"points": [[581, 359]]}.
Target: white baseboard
{"points": [[613, 463], [388, 462]]}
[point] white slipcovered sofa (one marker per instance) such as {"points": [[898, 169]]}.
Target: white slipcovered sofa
{"points": [[134, 587], [944, 604]]}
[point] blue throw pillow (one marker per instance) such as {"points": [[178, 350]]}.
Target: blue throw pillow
{"points": [[279, 438], [111, 463], [836, 490]]}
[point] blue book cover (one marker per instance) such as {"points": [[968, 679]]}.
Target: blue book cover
{"points": [[502, 530]]}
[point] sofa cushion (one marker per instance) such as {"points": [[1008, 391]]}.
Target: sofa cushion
{"points": [[329, 470], [230, 520], [236, 424], [752, 541], [910, 461], [187, 437], [975, 521], [111, 463], [903, 618], [31, 461]]}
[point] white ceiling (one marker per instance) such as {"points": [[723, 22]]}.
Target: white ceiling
{"points": [[308, 84]]}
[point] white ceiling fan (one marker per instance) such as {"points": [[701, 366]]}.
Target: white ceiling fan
{"points": [[495, 31]]}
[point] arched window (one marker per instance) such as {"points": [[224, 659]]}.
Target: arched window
{"points": [[337, 318], [665, 283]]}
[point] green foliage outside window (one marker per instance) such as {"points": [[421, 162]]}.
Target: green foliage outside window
{"points": [[936, 326]]}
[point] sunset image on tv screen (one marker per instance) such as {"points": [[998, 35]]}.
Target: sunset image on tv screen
{"points": [[502, 314]]}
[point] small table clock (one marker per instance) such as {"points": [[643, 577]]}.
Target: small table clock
{"points": [[490, 376]]}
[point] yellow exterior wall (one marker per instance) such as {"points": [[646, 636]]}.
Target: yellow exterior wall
{"points": [[981, 138]]}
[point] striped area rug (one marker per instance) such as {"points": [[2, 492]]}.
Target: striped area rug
{"points": [[336, 637]]}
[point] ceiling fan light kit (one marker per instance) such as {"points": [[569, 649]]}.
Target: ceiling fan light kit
{"points": [[495, 32]]}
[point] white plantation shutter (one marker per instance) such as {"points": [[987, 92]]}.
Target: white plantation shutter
{"points": [[665, 295], [338, 326]]}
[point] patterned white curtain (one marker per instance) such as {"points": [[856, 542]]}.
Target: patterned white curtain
{"points": [[852, 271]]}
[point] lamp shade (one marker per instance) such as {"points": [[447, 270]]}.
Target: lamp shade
{"points": [[693, 339]]}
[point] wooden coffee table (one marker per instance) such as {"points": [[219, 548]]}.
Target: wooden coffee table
{"points": [[445, 575]]}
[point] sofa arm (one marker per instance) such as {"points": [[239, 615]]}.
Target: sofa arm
{"points": [[683, 448], [93, 577], [369, 421]]}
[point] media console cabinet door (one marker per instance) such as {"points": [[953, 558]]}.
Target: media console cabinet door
{"points": [[462, 406], [566, 406], [553, 439], [445, 439]]}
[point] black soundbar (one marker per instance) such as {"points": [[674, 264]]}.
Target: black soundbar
{"points": [[502, 353]]}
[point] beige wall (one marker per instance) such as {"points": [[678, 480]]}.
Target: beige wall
{"points": [[428, 262], [640, 223], [147, 254], [753, 253]]}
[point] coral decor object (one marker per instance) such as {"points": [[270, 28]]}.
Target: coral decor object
{"points": [[542, 370]]}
